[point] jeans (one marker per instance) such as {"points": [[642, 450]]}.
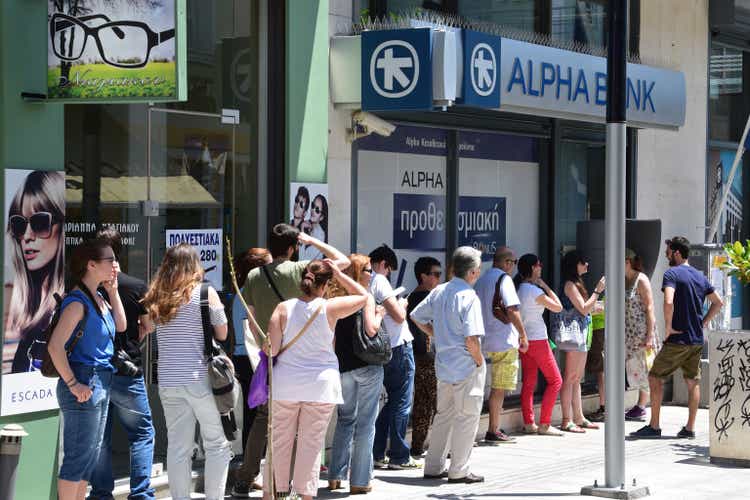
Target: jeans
{"points": [[398, 379], [356, 420], [129, 402], [83, 423], [183, 406]]}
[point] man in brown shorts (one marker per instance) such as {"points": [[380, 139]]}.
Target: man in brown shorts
{"points": [[685, 289]]}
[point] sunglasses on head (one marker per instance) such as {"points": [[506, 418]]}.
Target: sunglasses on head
{"points": [[41, 223]]}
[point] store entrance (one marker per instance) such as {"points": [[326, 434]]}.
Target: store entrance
{"points": [[159, 176]]}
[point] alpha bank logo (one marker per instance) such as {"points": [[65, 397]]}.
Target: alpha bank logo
{"points": [[483, 69], [394, 69]]}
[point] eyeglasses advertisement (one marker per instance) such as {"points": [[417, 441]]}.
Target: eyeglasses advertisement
{"points": [[33, 273], [308, 209], [104, 51]]}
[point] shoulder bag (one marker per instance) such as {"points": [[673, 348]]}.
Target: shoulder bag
{"points": [[48, 368], [258, 393], [375, 350], [570, 328], [220, 370], [499, 310]]}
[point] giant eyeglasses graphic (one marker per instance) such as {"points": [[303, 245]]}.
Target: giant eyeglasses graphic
{"points": [[124, 44]]}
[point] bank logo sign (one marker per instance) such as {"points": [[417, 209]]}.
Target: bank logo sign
{"points": [[104, 51], [481, 53], [397, 73]]}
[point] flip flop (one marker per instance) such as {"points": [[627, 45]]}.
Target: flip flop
{"points": [[571, 427], [587, 424]]}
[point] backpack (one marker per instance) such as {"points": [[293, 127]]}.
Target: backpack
{"points": [[48, 368], [220, 371], [499, 310]]}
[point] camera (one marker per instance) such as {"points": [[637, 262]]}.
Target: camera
{"points": [[372, 123], [124, 364]]}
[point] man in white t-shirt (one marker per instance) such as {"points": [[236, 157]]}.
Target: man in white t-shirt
{"points": [[501, 341], [398, 374]]}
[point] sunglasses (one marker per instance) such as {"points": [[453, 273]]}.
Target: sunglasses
{"points": [[41, 223], [301, 202], [317, 209], [435, 274], [106, 259], [367, 270], [513, 261]]}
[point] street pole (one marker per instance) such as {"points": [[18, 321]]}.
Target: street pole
{"points": [[614, 244]]}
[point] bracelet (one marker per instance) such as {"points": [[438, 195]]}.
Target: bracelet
{"points": [[67, 382], [75, 383]]}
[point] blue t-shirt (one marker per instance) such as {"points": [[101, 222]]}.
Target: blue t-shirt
{"points": [[95, 347], [691, 288]]}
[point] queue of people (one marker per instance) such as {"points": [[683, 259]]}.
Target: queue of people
{"points": [[317, 313]]}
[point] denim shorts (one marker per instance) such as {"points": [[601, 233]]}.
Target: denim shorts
{"points": [[83, 423]]}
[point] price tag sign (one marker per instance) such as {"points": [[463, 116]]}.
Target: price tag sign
{"points": [[208, 244]]}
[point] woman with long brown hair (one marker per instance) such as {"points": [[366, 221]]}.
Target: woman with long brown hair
{"points": [[361, 384], [173, 303], [86, 371], [576, 299], [306, 380]]}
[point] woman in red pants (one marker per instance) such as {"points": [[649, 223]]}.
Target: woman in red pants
{"points": [[535, 297]]}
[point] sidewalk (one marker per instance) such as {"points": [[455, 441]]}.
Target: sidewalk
{"points": [[549, 467]]}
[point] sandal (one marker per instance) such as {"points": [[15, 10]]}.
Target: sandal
{"points": [[530, 429], [571, 427], [587, 424]]}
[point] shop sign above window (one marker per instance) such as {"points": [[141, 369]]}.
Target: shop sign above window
{"points": [[102, 51], [397, 69], [481, 76]]}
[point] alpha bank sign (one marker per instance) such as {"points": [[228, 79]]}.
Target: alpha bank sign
{"points": [[413, 69]]}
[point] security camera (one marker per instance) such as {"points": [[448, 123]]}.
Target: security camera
{"points": [[372, 123]]}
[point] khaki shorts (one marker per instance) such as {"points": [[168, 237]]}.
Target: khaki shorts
{"points": [[674, 356], [504, 369]]}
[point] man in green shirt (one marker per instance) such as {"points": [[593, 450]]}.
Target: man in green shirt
{"points": [[264, 289]]}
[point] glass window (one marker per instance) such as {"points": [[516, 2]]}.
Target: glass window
{"points": [[401, 6], [520, 14], [401, 196], [728, 102], [583, 21]]}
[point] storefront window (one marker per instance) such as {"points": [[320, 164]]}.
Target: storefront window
{"points": [[728, 102], [582, 21], [519, 14]]}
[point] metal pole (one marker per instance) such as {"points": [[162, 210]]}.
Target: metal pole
{"points": [[614, 438]]}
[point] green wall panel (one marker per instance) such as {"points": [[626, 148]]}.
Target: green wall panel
{"points": [[31, 136], [306, 90]]}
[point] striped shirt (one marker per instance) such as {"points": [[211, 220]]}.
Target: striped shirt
{"points": [[181, 360]]}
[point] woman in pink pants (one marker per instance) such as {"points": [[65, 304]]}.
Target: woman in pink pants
{"points": [[306, 379], [535, 297]]}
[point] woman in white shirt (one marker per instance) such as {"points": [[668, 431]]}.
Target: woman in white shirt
{"points": [[535, 297], [306, 379], [173, 303]]}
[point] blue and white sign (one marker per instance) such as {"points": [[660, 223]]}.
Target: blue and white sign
{"points": [[418, 222], [208, 243], [481, 75], [481, 223], [553, 82], [397, 69]]}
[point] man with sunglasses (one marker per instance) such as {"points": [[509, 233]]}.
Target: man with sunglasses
{"points": [[428, 273], [502, 341], [398, 374], [128, 396]]}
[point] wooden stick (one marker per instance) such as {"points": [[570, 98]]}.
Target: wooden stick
{"points": [[260, 338]]}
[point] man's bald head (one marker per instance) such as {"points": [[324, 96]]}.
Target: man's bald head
{"points": [[504, 259]]}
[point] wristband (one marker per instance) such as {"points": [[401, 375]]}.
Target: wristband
{"points": [[67, 382], [75, 383]]}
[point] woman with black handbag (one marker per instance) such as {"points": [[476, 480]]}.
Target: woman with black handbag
{"points": [[361, 385]]}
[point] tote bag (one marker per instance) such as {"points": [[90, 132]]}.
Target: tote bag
{"points": [[570, 328]]}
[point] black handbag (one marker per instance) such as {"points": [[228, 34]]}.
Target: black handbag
{"points": [[375, 350]]}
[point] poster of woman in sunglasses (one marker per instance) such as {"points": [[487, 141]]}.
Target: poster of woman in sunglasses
{"points": [[33, 273], [309, 209], [104, 49]]}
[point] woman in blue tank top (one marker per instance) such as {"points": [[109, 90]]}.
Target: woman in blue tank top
{"points": [[85, 372]]}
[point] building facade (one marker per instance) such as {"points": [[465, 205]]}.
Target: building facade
{"points": [[262, 119]]}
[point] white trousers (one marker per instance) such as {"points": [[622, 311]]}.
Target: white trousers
{"points": [[183, 407], [455, 425]]}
